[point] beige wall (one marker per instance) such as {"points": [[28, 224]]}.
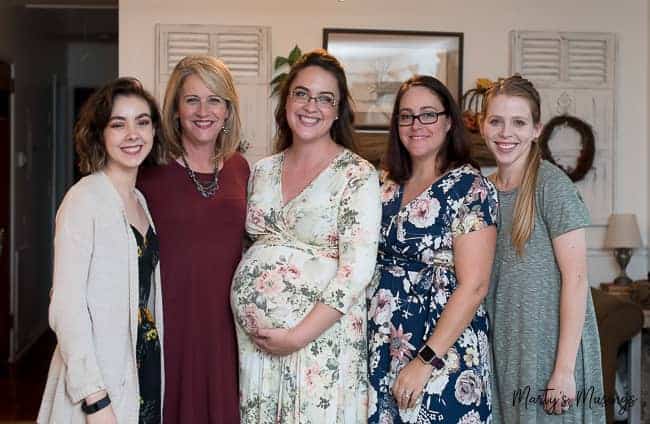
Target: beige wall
{"points": [[485, 24], [647, 50]]}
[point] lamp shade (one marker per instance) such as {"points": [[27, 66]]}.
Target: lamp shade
{"points": [[622, 231]]}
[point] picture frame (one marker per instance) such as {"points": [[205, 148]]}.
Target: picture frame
{"points": [[376, 62]]}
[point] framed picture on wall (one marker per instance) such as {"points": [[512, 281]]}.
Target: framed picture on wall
{"points": [[376, 62]]}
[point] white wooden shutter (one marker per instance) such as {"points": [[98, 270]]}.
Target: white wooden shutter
{"points": [[246, 50], [574, 74]]}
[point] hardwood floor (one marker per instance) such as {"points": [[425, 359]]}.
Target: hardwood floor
{"points": [[22, 383]]}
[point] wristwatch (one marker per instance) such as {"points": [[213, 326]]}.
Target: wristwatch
{"points": [[94, 407], [428, 356]]}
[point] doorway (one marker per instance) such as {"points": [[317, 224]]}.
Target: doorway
{"points": [[6, 87]]}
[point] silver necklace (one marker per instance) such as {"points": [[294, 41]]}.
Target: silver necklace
{"points": [[208, 189]]}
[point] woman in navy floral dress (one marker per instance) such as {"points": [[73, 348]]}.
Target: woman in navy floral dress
{"points": [[427, 329]]}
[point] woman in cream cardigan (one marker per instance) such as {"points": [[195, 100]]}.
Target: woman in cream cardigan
{"points": [[106, 307]]}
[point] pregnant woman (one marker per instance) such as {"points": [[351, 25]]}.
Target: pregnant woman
{"points": [[298, 294]]}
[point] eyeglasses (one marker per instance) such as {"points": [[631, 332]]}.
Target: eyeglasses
{"points": [[323, 100], [425, 118]]}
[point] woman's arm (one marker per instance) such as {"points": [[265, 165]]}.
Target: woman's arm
{"points": [[571, 255], [358, 224], [68, 313], [282, 341], [473, 256]]}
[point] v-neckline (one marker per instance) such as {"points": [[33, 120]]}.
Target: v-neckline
{"points": [[403, 207], [284, 202], [144, 235]]}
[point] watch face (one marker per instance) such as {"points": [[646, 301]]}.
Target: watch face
{"points": [[429, 356], [426, 353]]}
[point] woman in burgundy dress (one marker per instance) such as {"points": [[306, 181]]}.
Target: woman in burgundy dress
{"points": [[198, 201]]}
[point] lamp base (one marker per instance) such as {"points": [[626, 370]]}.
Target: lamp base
{"points": [[623, 255], [622, 280]]}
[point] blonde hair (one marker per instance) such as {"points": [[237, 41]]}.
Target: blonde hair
{"points": [[216, 76], [523, 221]]}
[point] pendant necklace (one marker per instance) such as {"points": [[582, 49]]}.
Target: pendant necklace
{"points": [[208, 189]]}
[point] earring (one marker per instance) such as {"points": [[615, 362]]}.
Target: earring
{"points": [[225, 130]]}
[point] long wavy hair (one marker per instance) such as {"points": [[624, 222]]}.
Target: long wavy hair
{"points": [[341, 131]]}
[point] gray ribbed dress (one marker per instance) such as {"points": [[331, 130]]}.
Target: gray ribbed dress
{"points": [[524, 311]]}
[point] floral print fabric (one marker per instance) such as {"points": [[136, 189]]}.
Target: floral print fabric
{"points": [[148, 351], [413, 282], [321, 246]]}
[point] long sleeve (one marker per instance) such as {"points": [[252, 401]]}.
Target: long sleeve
{"points": [[358, 225], [69, 316]]}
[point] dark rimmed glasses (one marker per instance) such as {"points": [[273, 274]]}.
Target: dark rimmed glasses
{"points": [[323, 100], [425, 118]]}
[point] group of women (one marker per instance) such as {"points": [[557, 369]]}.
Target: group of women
{"points": [[421, 294]]}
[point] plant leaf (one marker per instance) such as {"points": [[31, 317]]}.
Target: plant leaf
{"points": [[294, 55], [279, 78], [280, 61]]}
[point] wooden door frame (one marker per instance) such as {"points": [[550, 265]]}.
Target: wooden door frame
{"points": [[7, 308]]}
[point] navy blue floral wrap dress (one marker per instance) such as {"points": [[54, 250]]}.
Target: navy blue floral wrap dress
{"points": [[413, 281]]}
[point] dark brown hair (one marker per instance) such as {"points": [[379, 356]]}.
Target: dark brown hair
{"points": [[341, 130], [523, 220], [95, 115], [456, 149]]}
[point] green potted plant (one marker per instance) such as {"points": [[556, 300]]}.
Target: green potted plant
{"points": [[282, 62]]}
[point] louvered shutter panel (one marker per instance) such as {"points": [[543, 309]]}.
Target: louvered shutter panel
{"points": [[243, 52], [587, 61], [246, 50], [574, 74], [564, 59], [541, 58]]}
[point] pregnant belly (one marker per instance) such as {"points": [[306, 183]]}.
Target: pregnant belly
{"points": [[276, 286]]}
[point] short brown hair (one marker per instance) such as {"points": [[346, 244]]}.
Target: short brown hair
{"points": [[456, 149], [95, 115], [341, 130], [216, 76]]}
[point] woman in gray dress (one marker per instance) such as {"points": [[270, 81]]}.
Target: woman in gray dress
{"points": [[544, 337]]}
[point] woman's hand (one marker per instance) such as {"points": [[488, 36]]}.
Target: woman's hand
{"points": [[410, 383], [277, 341], [560, 392]]}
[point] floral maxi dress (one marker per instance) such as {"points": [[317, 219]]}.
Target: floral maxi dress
{"points": [[319, 247], [414, 279]]}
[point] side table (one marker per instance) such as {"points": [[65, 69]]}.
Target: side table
{"points": [[634, 351]]}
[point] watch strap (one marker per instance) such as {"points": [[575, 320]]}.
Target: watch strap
{"points": [[96, 406]]}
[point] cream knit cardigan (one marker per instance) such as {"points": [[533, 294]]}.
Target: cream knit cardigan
{"points": [[94, 304]]}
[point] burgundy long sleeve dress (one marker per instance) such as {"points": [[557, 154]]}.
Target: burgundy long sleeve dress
{"points": [[200, 247]]}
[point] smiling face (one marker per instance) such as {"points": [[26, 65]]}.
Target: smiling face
{"points": [[423, 141], [310, 119], [128, 136], [509, 131], [202, 114]]}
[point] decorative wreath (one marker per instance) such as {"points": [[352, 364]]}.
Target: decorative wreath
{"points": [[587, 152]]}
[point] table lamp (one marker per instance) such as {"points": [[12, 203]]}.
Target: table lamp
{"points": [[623, 236]]}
